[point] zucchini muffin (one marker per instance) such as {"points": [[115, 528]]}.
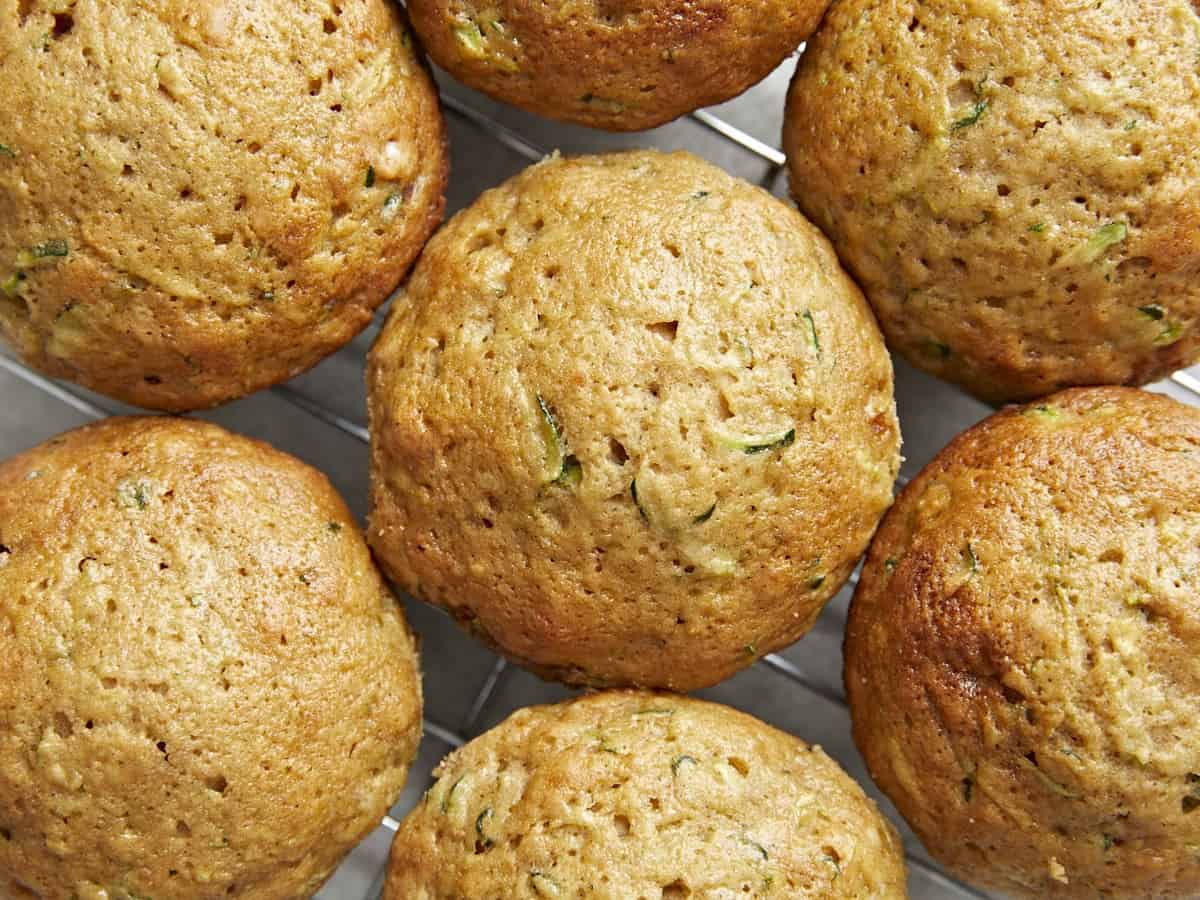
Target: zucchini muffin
{"points": [[206, 689], [623, 65], [633, 794], [198, 201], [1023, 651], [630, 422], [1015, 184]]}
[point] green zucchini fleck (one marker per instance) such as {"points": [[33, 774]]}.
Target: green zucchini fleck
{"points": [[1107, 841], [1103, 239], [772, 443], [1110, 234], [370, 179], [551, 432], [938, 349], [973, 116], [699, 195], [572, 472], [982, 102], [680, 760], [1037, 227], [394, 201], [471, 39], [335, 527], [971, 560], [8, 151], [968, 788], [565, 469], [762, 851], [889, 564], [634, 494], [52, 248], [605, 745], [1171, 332], [484, 840], [1131, 124], [132, 494], [816, 582], [268, 296], [12, 285], [751, 649], [706, 515], [450, 793], [813, 337], [834, 860], [1044, 411], [752, 444], [1030, 762]]}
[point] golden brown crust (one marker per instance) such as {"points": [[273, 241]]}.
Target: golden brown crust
{"points": [[1021, 655], [673, 320], [197, 202], [205, 686], [1015, 184], [622, 65], [635, 794]]}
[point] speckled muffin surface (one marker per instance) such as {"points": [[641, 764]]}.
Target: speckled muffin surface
{"points": [[635, 794], [198, 201], [1022, 653], [206, 689], [1015, 184], [630, 422], [622, 65]]}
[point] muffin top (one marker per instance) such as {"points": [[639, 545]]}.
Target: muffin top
{"points": [[1015, 184], [630, 422], [635, 794], [1023, 652], [623, 65], [205, 686], [199, 201]]}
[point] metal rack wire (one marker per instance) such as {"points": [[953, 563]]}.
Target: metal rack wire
{"points": [[446, 737]]}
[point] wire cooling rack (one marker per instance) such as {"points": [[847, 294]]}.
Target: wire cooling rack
{"points": [[320, 417]]}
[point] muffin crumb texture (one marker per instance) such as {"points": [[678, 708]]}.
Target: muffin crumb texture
{"points": [[1014, 183], [207, 690], [1023, 651], [630, 422], [642, 795], [622, 65], [199, 202]]}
